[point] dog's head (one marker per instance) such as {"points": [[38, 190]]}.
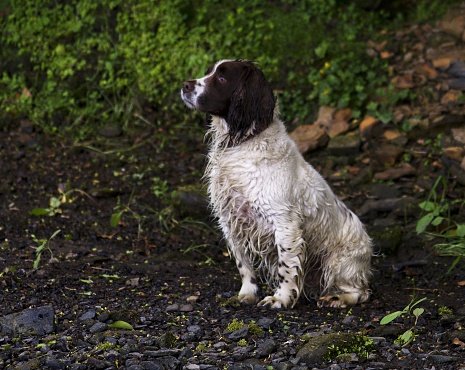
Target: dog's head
{"points": [[236, 91]]}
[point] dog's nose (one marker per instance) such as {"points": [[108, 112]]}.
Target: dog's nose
{"points": [[188, 86]]}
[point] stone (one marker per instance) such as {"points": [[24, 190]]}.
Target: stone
{"points": [[455, 152], [388, 153], [453, 23], [265, 322], [88, 315], [110, 131], [239, 334], [451, 97], [98, 327], [315, 350], [192, 201], [309, 137], [344, 145], [38, 320], [370, 127], [265, 348], [396, 173], [459, 134]]}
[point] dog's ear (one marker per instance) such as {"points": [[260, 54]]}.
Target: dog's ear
{"points": [[252, 104]]}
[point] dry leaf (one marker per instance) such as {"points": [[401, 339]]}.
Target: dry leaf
{"points": [[458, 342]]}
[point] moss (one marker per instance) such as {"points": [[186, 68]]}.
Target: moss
{"points": [[254, 329], [358, 344], [444, 311]]}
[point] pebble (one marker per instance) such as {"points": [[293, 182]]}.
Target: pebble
{"points": [[98, 327], [87, 315], [239, 334]]}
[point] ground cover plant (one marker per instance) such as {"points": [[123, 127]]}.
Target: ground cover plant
{"points": [[71, 67]]}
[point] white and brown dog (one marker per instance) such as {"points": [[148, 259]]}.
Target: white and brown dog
{"points": [[277, 213]]}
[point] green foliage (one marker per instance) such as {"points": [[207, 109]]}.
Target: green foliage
{"points": [[409, 335], [76, 65], [436, 211], [73, 66], [42, 245]]}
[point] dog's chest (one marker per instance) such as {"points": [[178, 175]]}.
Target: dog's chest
{"points": [[238, 191]]}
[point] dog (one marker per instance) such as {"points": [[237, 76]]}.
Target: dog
{"points": [[278, 215]]}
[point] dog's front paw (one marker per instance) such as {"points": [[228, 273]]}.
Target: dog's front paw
{"points": [[331, 301], [272, 302], [247, 298]]}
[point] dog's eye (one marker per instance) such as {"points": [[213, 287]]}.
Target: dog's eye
{"points": [[221, 78]]}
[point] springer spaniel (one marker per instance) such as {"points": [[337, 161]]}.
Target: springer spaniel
{"points": [[277, 213]]}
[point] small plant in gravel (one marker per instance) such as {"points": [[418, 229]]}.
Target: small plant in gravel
{"points": [[242, 342], [437, 212], [65, 191], [444, 311], [43, 244], [409, 335], [236, 324]]}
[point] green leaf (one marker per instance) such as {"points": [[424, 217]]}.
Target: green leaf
{"points": [[427, 206], [406, 337], [87, 281], [417, 302], [460, 232], [437, 221], [39, 211], [423, 223], [418, 311], [55, 202], [115, 218], [121, 325], [391, 317]]}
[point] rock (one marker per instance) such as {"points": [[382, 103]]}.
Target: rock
{"points": [[265, 348], [455, 152], [110, 131], [192, 298], [309, 137], [442, 63], [370, 127], [388, 153], [265, 322], [172, 307], [192, 201], [29, 365], [384, 191], [387, 240], [32, 320], [344, 145], [87, 315], [459, 134], [457, 83], [239, 334], [453, 23], [98, 327], [317, 348], [443, 359], [396, 173], [325, 116], [186, 308]]}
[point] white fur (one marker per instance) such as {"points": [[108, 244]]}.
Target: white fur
{"points": [[281, 219], [272, 205]]}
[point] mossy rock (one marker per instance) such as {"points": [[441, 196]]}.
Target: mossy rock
{"points": [[191, 201], [329, 346], [387, 240]]}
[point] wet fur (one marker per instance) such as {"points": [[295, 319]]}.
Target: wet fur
{"points": [[278, 215]]}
